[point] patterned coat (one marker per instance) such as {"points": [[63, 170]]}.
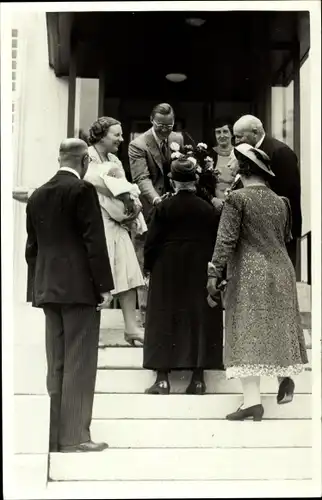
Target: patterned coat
{"points": [[263, 324]]}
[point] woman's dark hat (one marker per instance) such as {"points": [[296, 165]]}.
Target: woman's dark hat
{"points": [[183, 170], [255, 155]]}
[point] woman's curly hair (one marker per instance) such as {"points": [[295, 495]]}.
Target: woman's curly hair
{"points": [[100, 128]]}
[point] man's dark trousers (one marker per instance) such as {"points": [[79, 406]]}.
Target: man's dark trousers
{"points": [[72, 336]]}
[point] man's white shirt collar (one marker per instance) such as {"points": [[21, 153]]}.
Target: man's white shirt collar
{"points": [[71, 170], [260, 142], [157, 139]]}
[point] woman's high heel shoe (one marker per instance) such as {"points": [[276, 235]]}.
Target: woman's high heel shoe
{"points": [[285, 391], [256, 412], [132, 338]]}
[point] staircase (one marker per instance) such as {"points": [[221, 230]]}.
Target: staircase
{"points": [[160, 445]]}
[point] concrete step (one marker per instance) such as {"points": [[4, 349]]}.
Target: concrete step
{"points": [[132, 358], [143, 406], [296, 488], [29, 322], [136, 381], [32, 413], [114, 337], [29, 474], [27, 381], [182, 464], [202, 433], [31, 424]]}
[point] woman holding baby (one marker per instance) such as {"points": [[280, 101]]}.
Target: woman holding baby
{"points": [[120, 208]]}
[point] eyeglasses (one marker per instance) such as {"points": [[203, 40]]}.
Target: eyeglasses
{"points": [[163, 125]]}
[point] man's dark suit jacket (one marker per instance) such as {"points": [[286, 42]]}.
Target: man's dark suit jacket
{"points": [[66, 244], [287, 181]]}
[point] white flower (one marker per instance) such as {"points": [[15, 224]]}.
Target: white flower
{"points": [[199, 169], [192, 159], [202, 145], [176, 154], [175, 146], [146, 280], [208, 159]]}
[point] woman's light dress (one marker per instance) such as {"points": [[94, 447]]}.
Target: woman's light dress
{"points": [[125, 267]]}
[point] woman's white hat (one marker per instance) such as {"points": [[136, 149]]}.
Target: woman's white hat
{"points": [[255, 155]]}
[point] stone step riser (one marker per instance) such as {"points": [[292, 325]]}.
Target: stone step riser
{"points": [[114, 337], [136, 381], [31, 424], [27, 381], [182, 464], [202, 433], [29, 322], [142, 406], [132, 358], [181, 489]]}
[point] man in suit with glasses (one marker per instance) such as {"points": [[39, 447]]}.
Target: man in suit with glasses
{"points": [[150, 159]]}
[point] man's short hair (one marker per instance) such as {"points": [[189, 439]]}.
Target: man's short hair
{"points": [[163, 109], [72, 148]]}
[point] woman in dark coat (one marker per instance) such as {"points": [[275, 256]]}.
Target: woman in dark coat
{"points": [[182, 332]]}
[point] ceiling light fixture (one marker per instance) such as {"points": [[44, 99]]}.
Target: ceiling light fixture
{"points": [[195, 21], [176, 77]]}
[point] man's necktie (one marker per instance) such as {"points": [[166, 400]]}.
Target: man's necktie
{"points": [[164, 150], [166, 164]]}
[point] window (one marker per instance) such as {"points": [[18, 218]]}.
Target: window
{"points": [[14, 53], [306, 168], [283, 113]]}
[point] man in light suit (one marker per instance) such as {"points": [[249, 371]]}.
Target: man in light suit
{"points": [[150, 159], [66, 248], [284, 164]]}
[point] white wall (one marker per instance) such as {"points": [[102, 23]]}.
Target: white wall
{"points": [[41, 123], [277, 97], [283, 113], [282, 119], [307, 167]]}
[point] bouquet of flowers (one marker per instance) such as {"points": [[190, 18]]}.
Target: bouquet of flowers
{"points": [[198, 154]]}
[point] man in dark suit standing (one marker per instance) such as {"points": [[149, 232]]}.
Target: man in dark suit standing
{"points": [[150, 159], [284, 164], [66, 247]]}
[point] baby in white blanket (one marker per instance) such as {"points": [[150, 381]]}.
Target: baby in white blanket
{"points": [[125, 196]]}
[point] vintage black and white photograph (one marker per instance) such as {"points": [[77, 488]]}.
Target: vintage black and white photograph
{"points": [[161, 187]]}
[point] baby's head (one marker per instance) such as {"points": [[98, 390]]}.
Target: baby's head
{"points": [[115, 172]]}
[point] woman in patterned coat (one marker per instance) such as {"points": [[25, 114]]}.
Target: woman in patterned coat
{"points": [[264, 336]]}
